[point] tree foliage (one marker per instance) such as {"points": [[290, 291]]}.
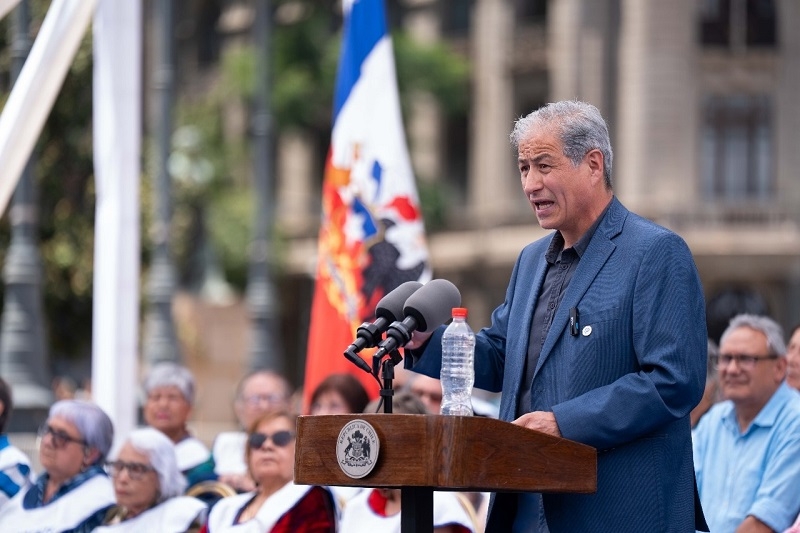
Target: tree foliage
{"points": [[306, 39]]}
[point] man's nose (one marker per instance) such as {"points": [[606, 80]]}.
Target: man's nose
{"points": [[531, 182]]}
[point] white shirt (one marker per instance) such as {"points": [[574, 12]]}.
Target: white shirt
{"points": [[67, 512], [223, 514], [358, 516], [228, 452], [174, 515]]}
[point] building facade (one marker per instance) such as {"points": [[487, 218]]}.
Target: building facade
{"points": [[701, 101]]}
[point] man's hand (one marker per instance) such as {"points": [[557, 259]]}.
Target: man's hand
{"points": [[418, 338], [540, 421]]}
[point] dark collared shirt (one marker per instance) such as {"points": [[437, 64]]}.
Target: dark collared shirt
{"points": [[561, 265]]}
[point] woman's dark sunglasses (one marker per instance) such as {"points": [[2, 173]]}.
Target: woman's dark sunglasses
{"points": [[279, 438]]}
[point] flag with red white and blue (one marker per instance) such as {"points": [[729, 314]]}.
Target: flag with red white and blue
{"points": [[372, 236]]}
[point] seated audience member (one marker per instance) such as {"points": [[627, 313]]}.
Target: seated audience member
{"points": [[148, 487], [746, 449], [428, 390], [374, 510], [170, 396], [15, 467], [260, 392], [339, 394], [277, 505], [74, 492], [793, 359], [711, 393]]}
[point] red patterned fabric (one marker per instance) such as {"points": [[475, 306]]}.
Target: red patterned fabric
{"points": [[315, 513]]}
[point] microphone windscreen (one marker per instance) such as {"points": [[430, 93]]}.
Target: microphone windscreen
{"points": [[433, 304], [391, 306]]}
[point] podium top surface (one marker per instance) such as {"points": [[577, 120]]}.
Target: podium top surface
{"points": [[448, 453]]}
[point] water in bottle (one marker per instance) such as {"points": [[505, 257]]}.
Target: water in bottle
{"points": [[458, 371]]}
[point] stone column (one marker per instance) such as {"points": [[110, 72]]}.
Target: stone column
{"points": [[295, 208], [656, 147], [492, 165], [786, 112], [424, 124]]}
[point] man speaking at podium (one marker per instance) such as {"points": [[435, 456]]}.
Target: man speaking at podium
{"points": [[601, 339]]}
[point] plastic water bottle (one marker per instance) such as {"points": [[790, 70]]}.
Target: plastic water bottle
{"points": [[458, 369]]}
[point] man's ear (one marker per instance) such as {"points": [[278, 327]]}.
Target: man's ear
{"points": [[780, 369], [596, 164]]}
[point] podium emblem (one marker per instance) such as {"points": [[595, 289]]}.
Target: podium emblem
{"points": [[357, 448]]}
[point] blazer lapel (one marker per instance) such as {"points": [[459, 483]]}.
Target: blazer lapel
{"points": [[597, 253], [517, 345]]}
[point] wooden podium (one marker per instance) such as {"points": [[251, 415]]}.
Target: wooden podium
{"points": [[420, 453]]}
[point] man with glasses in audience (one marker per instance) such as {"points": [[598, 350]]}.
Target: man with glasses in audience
{"points": [[746, 448], [258, 393], [429, 391]]}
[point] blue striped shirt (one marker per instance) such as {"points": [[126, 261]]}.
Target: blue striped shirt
{"points": [[15, 471]]}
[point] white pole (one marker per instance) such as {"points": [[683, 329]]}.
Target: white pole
{"points": [[6, 6], [117, 162], [33, 94]]}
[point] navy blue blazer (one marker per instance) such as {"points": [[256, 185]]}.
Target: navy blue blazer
{"points": [[625, 385]]}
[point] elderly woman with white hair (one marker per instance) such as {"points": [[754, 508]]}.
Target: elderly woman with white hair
{"points": [[74, 492], [149, 488], [170, 397]]}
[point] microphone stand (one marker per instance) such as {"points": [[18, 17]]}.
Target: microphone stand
{"points": [[416, 502], [387, 375]]}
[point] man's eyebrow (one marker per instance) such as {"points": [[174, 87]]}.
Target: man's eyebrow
{"points": [[536, 159]]}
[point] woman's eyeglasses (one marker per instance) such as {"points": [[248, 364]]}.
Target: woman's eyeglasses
{"points": [[279, 438], [58, 438], [135, 470]]}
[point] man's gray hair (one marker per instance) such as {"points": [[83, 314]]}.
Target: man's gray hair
{"points": [[160, 451], [91, 422], [171, 375], [771, 330], [580, 127], [284, 383], [712, 353]]}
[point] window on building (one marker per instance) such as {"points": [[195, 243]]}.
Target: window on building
{"points": [[531, 11], [456, 141], [456, 16], [761, 23], [738, 24], [737, 148], [715, 19]]}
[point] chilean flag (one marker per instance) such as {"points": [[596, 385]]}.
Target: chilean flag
{"points": [[372, 237]]}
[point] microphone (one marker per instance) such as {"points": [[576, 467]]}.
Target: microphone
{"points": [[425, 310], [388, 310]]}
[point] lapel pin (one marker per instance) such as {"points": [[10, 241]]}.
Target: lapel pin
{"points": [[587, 330]]}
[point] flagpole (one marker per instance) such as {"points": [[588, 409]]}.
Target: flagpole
{"points": [[265, 346]]}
